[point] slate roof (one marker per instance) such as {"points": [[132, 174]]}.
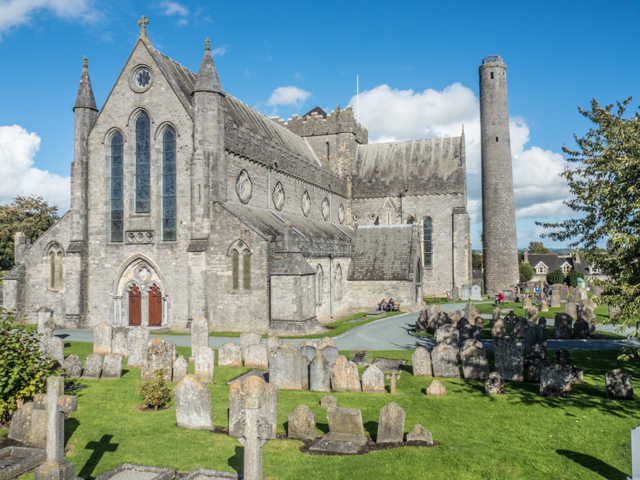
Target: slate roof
{"points": [[317, 110], [383, 252], [554, 261]]}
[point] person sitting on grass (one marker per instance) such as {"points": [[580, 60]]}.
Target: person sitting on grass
{"points": [[390, 305], [383, 305]]}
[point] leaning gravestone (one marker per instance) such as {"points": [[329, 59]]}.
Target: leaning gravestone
{"points": [[474, 360], [436, 389], [119, 345], [464, 293], [419, 434], [302, 423], [256, 356], [373, 380], [285, 368], [319, 374], [449, 335], [159, 356], [562, 326], [204, 362], [445, 361], [421, 361], [346, 432], [494, 385], [112, 366], [508, 359], [391, 424], [619, 384], [330, 354], [344, 376], [555, 381], [476, 293], [253, 388], [29, 425], [102, 338], [72, 366], [137, 342], [229, 355], [193, 404], [93, 366], [180, 369], [199, 334]]}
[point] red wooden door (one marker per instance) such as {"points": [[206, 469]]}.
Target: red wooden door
{"points": [[155, 307], [135, 306]]}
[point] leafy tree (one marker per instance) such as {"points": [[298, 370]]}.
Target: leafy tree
{"points": [[537, 248], [526, 272], [572, 278], [29, 215], [604, 183], [477, 261], [555, 277]]}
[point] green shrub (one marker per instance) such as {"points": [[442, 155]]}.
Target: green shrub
{"points": [[572, 278], [555, 277], [24, 367], [155, 392], [526, 272]]}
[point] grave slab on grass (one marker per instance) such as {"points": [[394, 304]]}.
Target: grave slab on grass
{"points": [[204, 474], [389, 365], [129, 471], [14, 461], [346, 432]]}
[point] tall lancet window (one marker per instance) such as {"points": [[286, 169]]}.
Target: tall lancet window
{"points": [[169, 214], [426, 232], [143, 164], [116, 191]]}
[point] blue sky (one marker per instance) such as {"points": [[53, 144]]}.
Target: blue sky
{"points": [[417, 63]]}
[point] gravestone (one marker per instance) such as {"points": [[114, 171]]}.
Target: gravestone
{"points": [[253, 431], [532, 315], [159, 355], [119, 345], [635, 454], [597, 291], [346, 432], [494, 385], [247, 339], [519, 327], [432, 317], [577, 375], [563, 357], [271, 343], [471, 312], [319, 374], [570, 308], [421, 361], [29, 425], [495, 314], [445, 361], [619, 384], [455, 293], [509, 321], [587, 314], [302, 423], [112, 366], [581, 329], [180, 369], [72, 366], [464, 293], [535, 346], [102, 338], [256, 356], [555, 300], [137, 342], [474, 360], [53, 346], [304, 373], [330, 354], [464, 330], [562, 326], [308, 351], [93, 366], [419, 434], [454, 317], [449, 335], [436, 389], [56, 404], [44, 320], [441, 320], [204, 361], [391, 424], [422, 324], [476, 293], [325, 342], [199, 334], [253, 388], [526, 302], [230, 355], [373, 380], [555, 381], [131, 471], [285, 367], [193, 404], [508, 359], [581, 293], [498, 328], [344, 376], [535, 368], [14, 461], [393, 378]]}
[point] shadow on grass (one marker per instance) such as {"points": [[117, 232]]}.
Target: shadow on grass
{"points": [[99, 449], [237, 461], [371, 428], [594, 464], [323, 427]]}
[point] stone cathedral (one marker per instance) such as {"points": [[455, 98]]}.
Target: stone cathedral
{"points": [[186, 202]]}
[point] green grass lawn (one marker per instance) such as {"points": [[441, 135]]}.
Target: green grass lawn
{"points": [[515, 436]]}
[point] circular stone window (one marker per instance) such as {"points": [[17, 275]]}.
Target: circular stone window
{"points": [[341, 213], [141, 79], [325, 209], [278, 196], [306, 204], [244, 187]]}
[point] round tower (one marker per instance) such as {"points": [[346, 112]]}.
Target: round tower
{"points": [[499, 241]]}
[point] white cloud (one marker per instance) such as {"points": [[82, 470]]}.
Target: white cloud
{"points": [[219, 51], [288, 96], [174, 8], [18, 12], [17, 151]]}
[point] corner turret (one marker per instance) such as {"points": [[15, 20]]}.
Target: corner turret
{"points": [[85, 98], [208, 80]]}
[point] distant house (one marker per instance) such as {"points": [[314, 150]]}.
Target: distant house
{"points": [[543, 263]]}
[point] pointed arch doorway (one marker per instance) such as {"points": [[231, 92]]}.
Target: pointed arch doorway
{"points": [[135, 306], [155, 307]]}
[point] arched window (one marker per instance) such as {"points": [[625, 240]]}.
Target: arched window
{"points": [[169, 221], [246, 270], [410, 220], [56, 265], [116, 190], [235, 270], [60, 270], [319, 285], [240, 265], [143, 164], [52, 270], [338, 282], [426, 240]]}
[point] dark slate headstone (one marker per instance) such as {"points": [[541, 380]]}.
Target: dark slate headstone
{"points": [[581, 329], [619, 384], [562, 326], [535, 347], [508, 359], [510, 320], [474, 360], [555, 381], [445, 361]]}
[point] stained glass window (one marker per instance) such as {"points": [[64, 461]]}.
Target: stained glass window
{"points": [[426, 231], [116, 191], [169, 214], [143, 164]]}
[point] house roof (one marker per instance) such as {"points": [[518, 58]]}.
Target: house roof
{"points": [[554, 261]]}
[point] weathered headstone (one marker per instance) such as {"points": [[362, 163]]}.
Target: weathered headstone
{"points": [[44, 320], [230, 355], [319, 374], [72, 366], [476, 293], [570, 308], [474, 360], [563, 357], [422, 324], [508, 359], [137, 342], [581, 329], [393, 379], [344, 376], [455, 294], [555, 300], [494, 385], [373, 380], [29, 425], [253, 433], [449, 335], [271, 343], [330, 354], [436, 389], [93, 366], [302, 423], [587, 313], [308, 351], [519, 327], [391, 424], [304, 372], [421, 361], [544, 306], [464, 330], [509, 321], [445, 361], [526, 302], [112, 366], [471, 312], [562, 326], [535, 346], [247, 339], [119, 345], [555, 381], [346, 431], [328, 401], [535, 368], [285, 367], [256, 356], [253, 388], [619, 384], [159, 356], [53, 346], [577, 375], [419, 434], [199, 334], [532, 315], [193, 404], [498, 328], [204, 361], [180, 369], [102, 338], [464, 293]]}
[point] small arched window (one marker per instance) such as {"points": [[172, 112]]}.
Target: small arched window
{"points": [[410, 220], [56, 267], [116, 189], [169, 214], [143, 164], [426, 241], [240, 265], [319, 285]]}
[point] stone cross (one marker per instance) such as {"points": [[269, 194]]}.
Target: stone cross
{"points": [[254, 435], [56, 403], [393, 377], [143, 25], [635, 454]]}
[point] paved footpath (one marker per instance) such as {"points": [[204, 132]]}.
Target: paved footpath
{"points": [[391, 333]]}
